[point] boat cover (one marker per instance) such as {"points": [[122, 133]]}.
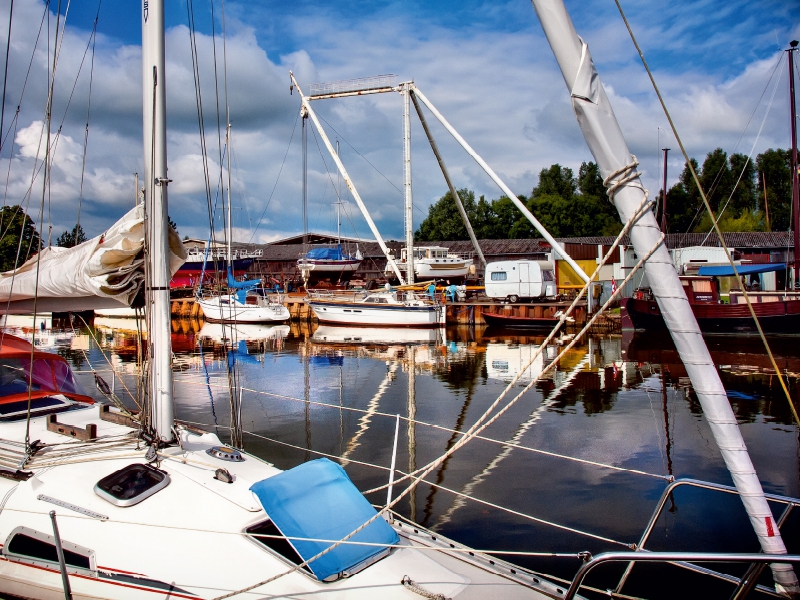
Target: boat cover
{"points": [[318, 500], [326, 254], [104, 272], [727, 270]]}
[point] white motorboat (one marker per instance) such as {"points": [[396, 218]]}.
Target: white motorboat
{"points": [[384, 308], [434, 262]]}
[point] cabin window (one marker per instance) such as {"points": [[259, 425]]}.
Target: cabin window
{"points": [[279, 544], [499, 276], [29, 546], [131, 485], [701, 286]]}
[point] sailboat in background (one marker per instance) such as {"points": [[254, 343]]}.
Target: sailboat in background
{"points": [[243, 304]]}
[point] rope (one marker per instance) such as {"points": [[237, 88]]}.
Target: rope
{"points": [[409, 584], [710, 212]]}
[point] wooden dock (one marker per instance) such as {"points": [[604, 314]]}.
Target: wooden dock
{"points": [[457, 313]]}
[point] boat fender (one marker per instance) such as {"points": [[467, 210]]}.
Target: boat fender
{"points": [[223, 475]]}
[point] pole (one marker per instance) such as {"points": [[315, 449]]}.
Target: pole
{"points": [[61, 562], [394, 461], [230, 208], [795, 189], [389, 259], [155, 183], [446, 173], [304, 116], [506, 190], [664, 197], [604, 137], [409, 204]]}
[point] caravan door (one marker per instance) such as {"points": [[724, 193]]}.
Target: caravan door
{"points": [[524, 280]]}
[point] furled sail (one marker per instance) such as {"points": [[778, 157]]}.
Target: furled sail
{"points": [[104, 272]]}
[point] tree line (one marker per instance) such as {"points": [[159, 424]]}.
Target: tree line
{"points": [[745, 195]]}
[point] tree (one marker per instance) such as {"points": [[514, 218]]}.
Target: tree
{"points": [[68, 239], [18, 237], [774, 169], [444, 221]]}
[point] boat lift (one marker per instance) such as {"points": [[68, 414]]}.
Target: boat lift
{"points": [[380, 84]]}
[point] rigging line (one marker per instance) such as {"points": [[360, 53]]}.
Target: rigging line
{"points": [[5, 75], [710, 212], [45, 12], [216, 97], [749, 161], [201, 122], [272, 193], [88, 111]]}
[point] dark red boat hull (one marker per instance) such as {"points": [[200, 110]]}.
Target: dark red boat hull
{"points": [[510, 321], [776, 318]]}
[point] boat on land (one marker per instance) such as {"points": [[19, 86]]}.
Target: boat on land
{"points": [[329, 266], [778, 312], [387, 308], [435, 262]]}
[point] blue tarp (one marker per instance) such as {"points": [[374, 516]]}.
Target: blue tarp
{"points": [[727, 271], [241, 285], [326, 254], [318, 500]]}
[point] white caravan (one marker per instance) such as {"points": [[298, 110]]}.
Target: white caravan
{"points": [[515, 279]]}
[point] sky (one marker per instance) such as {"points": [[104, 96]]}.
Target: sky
{"points": [[484, 64]]}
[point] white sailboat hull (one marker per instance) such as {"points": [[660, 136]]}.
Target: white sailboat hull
{"points": [[224, 309], [358, 313]]}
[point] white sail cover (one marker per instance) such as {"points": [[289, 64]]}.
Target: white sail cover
{"points": [[104, 272]]}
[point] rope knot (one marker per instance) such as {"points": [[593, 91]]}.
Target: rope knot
{"points": [[622, 177]]}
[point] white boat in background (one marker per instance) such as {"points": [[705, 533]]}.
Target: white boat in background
{"points": [[243, 307], [389, 308], [435, 262], [220, 332], [336, 334]]}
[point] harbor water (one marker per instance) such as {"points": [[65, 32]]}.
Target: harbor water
{"points": [[578, 463]]}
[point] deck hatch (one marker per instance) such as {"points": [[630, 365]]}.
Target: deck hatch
{"points": [[131, 485]]}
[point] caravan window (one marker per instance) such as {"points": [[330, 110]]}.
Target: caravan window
{"points": [[499, 276], [548, 276]]}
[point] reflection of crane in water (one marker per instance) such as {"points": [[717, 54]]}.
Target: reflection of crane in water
{"points": [[509, 445], [366, 418]]}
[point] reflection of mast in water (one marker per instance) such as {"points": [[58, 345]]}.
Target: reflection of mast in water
{"points": [[307, 398], [664, 375], [341, 412], [508, 446], [412, 428], [366, 418], [462, 415]]}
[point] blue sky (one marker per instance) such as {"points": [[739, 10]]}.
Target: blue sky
{"points": [[485, 65]]}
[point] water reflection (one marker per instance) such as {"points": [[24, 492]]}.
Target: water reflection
{"points": [[625, 403]]}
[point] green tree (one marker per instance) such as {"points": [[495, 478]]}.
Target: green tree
{"points": [[18, 237], [774, 170], [444, 221], [68, 239]]}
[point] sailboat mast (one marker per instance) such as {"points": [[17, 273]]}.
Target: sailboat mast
{"points": [[304, 116], [604, 137], [409, 202], [795, 189], [155, 179], [664, 197], [230, 210]]}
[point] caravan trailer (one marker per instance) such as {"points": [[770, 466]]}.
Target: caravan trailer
{"points": [[516, 279]]}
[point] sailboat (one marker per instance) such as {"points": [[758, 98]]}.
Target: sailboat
{"points": [[244, 304]]}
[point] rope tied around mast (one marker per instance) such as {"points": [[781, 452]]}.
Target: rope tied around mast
{"points": [[622, 177]]}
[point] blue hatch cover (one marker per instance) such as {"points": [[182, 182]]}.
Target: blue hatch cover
{"points": [[318, 500]]}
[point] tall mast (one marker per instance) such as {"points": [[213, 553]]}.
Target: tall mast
{"points": [[155, 183], [604, 137], [409, 203], [664, 197], [304, 115], [338, 204], [795, 189], [230, 209]]}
